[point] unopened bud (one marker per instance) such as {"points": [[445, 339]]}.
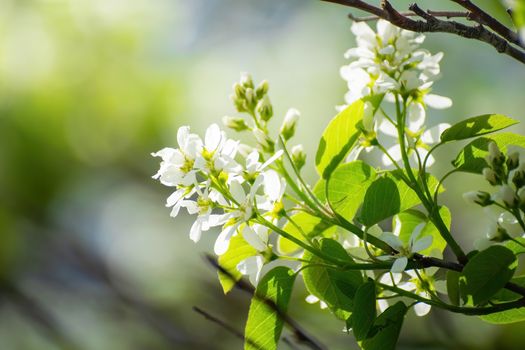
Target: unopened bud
{"points": [[262, 89], [497, 233], [265, 109], [513, 160], [490, 176], [290, 120], [246, 80], [518, 178], [508, 196], [478, 197], [238, 103], [298, 156], [264, 141], [495, 158], [235, 123], [250, 96], [239, 90]]}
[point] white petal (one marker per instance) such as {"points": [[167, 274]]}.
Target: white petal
{"points": [[391, 240], [272, 185], [175, 197], [237, 192], [182, 135], [382, 304], [213, 137], [196, 230], [251, 266], [253, 239], [433, 134], [223, 240], [408, 286], [437, 101], [416, 117], [387, 128], [422, 309], [422, 244], [399, 265], [270, 160]]}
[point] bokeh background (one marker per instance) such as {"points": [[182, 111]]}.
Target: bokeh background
{"points": [[89, 257]]}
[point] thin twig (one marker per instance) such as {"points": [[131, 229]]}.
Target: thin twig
{"points": [[479, 32], [300, 334], [490, 21], [445, 14], [219, 322]]}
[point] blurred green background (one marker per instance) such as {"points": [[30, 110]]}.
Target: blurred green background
{"points": [[89, 257]]}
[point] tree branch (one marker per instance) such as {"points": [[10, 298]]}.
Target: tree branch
{"points": [[433, 24]]}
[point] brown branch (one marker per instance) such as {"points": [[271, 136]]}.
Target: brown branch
{"points": [[436, 25], [490, 21], [445, 14]]}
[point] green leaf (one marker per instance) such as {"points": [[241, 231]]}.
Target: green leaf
{"points": [[335, 287], [338, 139], [347, 187], [509, 316], [320, 190], [486, 273], [364, 310], [471, 159], [238, 251], [386, 329], [517, 248], [453, 286], [518, 14], [477, 126], [387, 196], [265, 322], [311, 225]]}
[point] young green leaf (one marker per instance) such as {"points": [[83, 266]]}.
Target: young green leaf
{"points": [[310, 225], [335, 287], [347, 187], [387, 196], [477, 126], [338, 138], [386, 329], [509, 316], [238, 251], [486, 273], [471, 159], [364, 313], [265, 321]]}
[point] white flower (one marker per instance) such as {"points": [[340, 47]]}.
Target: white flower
{"points": [[256, 236], [177, 166], [218, 152], [422, 287], [254, 167], [241, 213], [405, 249], [255, 267], [274, 187]]}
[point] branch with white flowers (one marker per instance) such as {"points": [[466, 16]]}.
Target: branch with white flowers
{"points": [[503, 39]]}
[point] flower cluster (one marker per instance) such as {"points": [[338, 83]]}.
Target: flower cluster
{"points": [[389, 62], [506, 206]]}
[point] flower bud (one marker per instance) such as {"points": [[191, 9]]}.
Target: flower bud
{"points": [[290, 120], [265, 109], [264, 141], [238, 103], [513, 160], [246, 80], [490, 176], [478, 197], [495, 158], [298, 156], [239, 90], [262, 89], [518, 178], [235, 123], [508, 196], [250, 96]]}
